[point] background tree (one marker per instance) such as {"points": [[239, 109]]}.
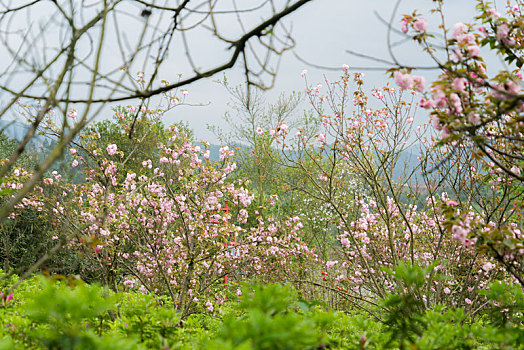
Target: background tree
{"points": [[476, 109], [88, 61]]}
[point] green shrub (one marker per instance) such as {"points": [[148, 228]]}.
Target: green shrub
{"points": [[272, 317]]}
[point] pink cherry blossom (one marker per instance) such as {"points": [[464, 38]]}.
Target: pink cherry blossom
{"points": [[420, 24], [473, 118], [420, 83], [427, 104], [111, 149], [502, 34], [493, 13], [460, 84], [404, 27], [459, 29], [456, 102], [473, 51], [457, 55], [404, 81]]}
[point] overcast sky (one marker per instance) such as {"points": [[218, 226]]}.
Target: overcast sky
{"points": [[324, 30]]}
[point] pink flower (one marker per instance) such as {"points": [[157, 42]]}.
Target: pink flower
{"points": [[420, 83], [473, 51], [502, 34], [74, 164], [345, 67], [420, 24], [468, 301], [488, 266], [458, 55], [483, 31], [459, 233], [451, 202], [345, 242], [72, 113], [224, 152], [512, 87], [493, 13], [515, 170], [445, 133], [404, 81], [404, 27], [460, 84], [10, 296], [435, 122], [185, 92], [427, 104], [330, 264], [447, 290], [439, 97], [473, 118], [458, 29], [455, 102], [467, 39], [111, 149], [304, 72], [72, 151], [209, 306], [259, 131]]}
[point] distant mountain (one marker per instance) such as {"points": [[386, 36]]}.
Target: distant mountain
{"points": [[13, 129], [16, 130]]}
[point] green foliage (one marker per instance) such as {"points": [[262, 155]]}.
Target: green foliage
{"points": [[60, 316], [410, 325], [357, 331], [137, 135], [71, 316], [507, 313], [149, 318], [404, 310], [447, 329], [7, 145], [272, 319], [24, 238], [74, 315]]}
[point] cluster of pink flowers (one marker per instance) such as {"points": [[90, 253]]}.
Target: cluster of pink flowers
{"points": [[419, 24], [408, 81], [166, 225]]}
